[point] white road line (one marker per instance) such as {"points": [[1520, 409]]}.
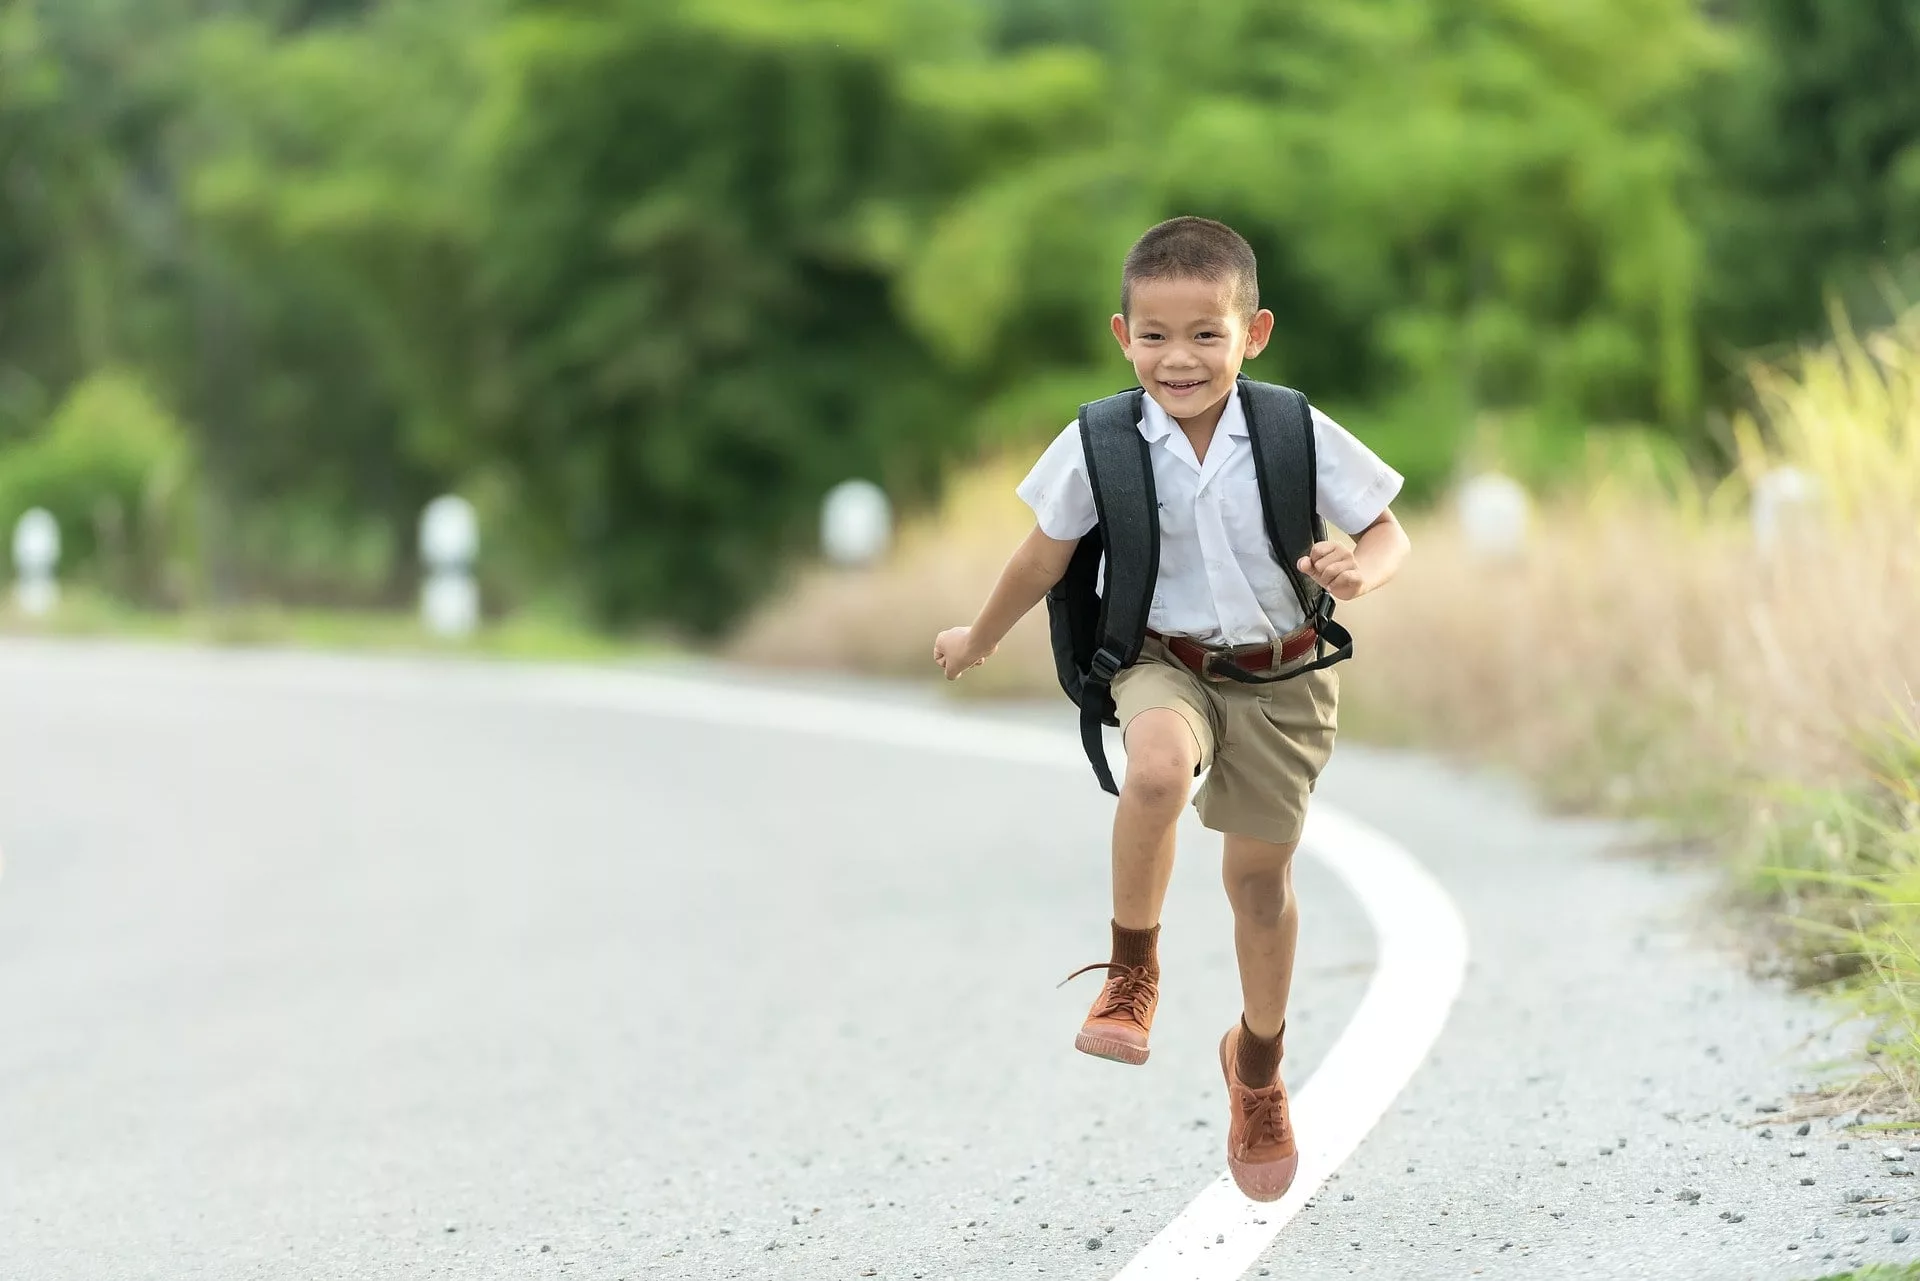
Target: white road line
{"points": [[1422, 938]]}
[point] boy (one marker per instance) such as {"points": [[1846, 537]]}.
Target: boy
{"points": [[1189, 316]]}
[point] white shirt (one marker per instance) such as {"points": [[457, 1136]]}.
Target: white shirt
{"points": [[1219, 582]]}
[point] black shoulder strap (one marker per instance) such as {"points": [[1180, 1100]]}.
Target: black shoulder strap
{"points": [[1121, 473], [1280, 430]]}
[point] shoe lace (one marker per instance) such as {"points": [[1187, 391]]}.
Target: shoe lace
{"points": [[1265, 1112], [1130, 989]]}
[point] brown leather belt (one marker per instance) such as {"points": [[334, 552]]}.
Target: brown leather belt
{"points": [[1255, 658]]}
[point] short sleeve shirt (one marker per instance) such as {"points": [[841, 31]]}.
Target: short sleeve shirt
{"points": [[1219, 582]]}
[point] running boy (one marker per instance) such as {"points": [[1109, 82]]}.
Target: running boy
{"points": [[1189, 316]]}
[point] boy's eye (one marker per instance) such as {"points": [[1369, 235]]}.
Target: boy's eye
{"points": [[1150, 336], [1206, 333]]}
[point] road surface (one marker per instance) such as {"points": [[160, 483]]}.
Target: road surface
{"points": [[323, 967]]}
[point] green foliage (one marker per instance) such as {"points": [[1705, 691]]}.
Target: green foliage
{"points": [[334, 334], [1819, 140], [1842, 866], [112, 467], [1478, 206], [698, 340], [645, 277]]}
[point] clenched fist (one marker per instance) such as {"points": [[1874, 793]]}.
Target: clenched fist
{"points": [[1333, 567], [954, 650]]}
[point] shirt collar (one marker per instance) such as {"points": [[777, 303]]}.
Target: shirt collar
{"points": [[1156, 424], [1234, 420]]}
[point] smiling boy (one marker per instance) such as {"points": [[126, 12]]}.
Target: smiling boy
{"points": [[1189, 317]]}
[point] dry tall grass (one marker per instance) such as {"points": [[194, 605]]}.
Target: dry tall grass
{"points": [[882, 621], [1645, 646], [1634, 654]]}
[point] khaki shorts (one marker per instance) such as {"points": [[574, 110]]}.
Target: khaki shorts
{"points": [[1263, 746]]}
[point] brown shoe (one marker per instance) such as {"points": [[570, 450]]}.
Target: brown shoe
{"points": [[1117, 1025], [1260, 1148]]}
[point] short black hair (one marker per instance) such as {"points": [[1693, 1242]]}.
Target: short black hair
{"points": [[1195, 248]]}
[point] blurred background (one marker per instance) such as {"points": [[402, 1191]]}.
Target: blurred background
{"points": [[642, 280], [1621, 286], [632, 285]]}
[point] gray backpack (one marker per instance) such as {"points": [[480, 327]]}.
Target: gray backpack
{"points": [[1096, 635]]}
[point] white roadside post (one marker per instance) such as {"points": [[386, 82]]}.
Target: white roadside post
{"points": [[856, 523], [1493, 513], [449, 541], [1785, 503], [36, 553]]}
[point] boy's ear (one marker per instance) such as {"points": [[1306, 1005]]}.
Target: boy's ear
{"points": [[1259, 332], [1121, 334]]}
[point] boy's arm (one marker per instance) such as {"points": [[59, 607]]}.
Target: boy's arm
{"points": [[1035, 566], [1376, 556]]}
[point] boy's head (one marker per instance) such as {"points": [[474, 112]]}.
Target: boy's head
{"points": [[1190, 314]]}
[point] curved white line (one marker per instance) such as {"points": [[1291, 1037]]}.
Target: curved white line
{"points": [[1422, 938]]}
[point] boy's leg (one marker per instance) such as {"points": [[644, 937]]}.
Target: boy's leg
{"points": [[1168, 738], [1261, 1151], [1266, 928], [1162, 754], [1281, 740]]}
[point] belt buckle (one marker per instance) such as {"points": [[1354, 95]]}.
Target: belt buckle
{"points": [[1208, 654]]}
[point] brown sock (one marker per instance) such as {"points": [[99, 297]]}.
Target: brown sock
{"points": [[1136, 947], [1258, 1058]]}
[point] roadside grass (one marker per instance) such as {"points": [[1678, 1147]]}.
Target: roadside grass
{"points": [[881, 621], [1840, 870], [1878, 1272], [530, 635]]}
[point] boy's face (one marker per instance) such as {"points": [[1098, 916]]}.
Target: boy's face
{"points": [[1187, 339]]}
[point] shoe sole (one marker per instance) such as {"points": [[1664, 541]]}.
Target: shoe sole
{"points": [[1266, 1180], [1102, 1047]]}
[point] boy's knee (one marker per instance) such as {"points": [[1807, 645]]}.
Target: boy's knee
{"points": [[1158, 780], [1259, 877], [1259, 895], [1161, 756]]}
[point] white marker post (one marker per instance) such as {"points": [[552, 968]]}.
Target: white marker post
{"points": [[1786, 503], [856, 523], [36, 553], [449, 540], [1493, 511]]}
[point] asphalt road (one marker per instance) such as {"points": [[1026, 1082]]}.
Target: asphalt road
{"points": [[342, 968]]}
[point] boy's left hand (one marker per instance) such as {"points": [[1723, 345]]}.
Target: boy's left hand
{"points": [[1332, 566]]}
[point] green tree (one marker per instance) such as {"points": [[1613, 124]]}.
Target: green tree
{"points": [[1469, 205], [1818, 142], [688, 257], [332, 239]]}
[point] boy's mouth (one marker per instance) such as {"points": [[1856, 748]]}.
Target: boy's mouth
{"points": [[1184, 388]]}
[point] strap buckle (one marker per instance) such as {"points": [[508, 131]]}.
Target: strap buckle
{"points": [[1104, 666]]}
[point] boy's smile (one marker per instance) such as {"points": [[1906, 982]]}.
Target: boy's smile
{"points": [[1186, 340]]}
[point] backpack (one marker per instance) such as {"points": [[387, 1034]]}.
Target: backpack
{"points": [[1096, 635]]}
